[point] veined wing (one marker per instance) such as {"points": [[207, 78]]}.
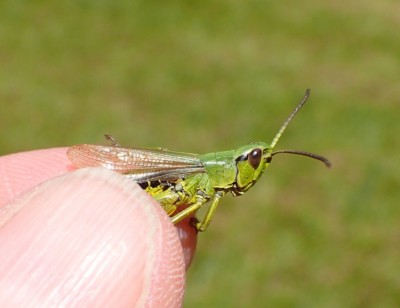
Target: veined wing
{"points": [[139, 164]]}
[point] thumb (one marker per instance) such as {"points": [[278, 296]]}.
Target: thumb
{"points": [[89, 238]]}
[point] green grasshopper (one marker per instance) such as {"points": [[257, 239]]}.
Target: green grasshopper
{"points": [[177, 179]]}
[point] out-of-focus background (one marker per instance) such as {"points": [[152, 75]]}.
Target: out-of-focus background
{"points": [[204, 76]]}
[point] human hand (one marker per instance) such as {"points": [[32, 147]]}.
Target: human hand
{"points": [[85, 238]]}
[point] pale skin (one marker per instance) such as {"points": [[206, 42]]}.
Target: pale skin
{"points": [[89, 237]]}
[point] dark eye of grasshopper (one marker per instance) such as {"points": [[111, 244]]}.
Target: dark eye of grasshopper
{"points": [[255, 158]]}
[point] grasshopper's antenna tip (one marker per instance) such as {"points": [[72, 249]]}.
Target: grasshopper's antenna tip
{"points": [[307, 154], [290, 118]]}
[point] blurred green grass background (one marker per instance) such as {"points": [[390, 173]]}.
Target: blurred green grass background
{"points": [[204, 76]]}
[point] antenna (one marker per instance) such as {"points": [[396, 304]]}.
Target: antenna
{"points": [[283, 127], [290, 118], [308, 154]]}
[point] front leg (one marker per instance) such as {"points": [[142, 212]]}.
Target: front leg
{"points": [[203, 225]]}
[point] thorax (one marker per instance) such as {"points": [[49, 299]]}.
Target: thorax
{"points": [[220, 168]]}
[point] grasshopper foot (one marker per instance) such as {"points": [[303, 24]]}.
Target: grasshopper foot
{"points": [[111, 139], [195, 223]]}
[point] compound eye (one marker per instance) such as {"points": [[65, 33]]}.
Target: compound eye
{"points": [[255, 157]]}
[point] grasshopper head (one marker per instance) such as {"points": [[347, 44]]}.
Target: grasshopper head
{"points": [[252, 159]]}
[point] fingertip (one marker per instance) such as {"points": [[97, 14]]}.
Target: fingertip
{"points": [[22, 171], [188, 237], [91, 236]]}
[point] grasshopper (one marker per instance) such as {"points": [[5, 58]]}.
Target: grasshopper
{"points": [[177, 179]]}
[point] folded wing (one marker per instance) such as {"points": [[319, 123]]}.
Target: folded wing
{"points": [[139, 164]]}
